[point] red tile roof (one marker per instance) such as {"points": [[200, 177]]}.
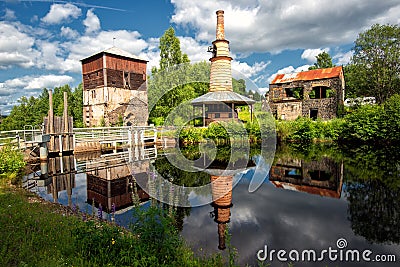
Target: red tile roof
{"points": [[310, 75]]}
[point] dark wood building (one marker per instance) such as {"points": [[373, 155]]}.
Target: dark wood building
{"points": [[114, 88]]}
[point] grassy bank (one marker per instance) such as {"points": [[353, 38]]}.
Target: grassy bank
{"points": [[38, 233]]}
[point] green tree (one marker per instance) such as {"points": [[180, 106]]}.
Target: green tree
{"points": [[377, 60], [77, 106], [356, 85], [324, 60], [31, 111], [170, 50], [239, 86], [173, 83]]}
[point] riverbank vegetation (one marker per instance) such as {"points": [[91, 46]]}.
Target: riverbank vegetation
{"points": [[374, 124], [11, 163], [35, 232]]}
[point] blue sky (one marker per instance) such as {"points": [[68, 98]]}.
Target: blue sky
{"points": [[43, 41]]}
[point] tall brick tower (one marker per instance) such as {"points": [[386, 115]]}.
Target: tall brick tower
{"points": [[220, 103], [221, 74]]}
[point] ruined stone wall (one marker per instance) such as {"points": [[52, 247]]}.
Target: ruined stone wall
{"points": [[327, 108], [289, 110], [284, 107]]}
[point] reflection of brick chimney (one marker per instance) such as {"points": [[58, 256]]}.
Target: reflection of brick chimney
{"points": [[220, 25], [221, 73], [221, 187]]}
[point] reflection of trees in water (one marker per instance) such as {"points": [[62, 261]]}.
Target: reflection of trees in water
{"points": [[372, 177], [178, 176], [374, 211]]}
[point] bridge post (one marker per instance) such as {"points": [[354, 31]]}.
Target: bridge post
{"points": [[115, 147], [43, 151], [141, 141], [136, 138], [44, 169], [60, 141]]}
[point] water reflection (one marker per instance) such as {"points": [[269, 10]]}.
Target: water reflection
{"points": [[328, 194], [322, 177], [105, 181], [55, 175]]}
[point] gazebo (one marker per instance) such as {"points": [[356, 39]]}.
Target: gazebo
{"points": [[220, 103]]}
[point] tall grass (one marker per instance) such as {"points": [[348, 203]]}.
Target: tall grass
{"points": [[38, 233]]}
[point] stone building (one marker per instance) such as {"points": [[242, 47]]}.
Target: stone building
{"points": [[114, 89], [220, 103], [312, 94]]}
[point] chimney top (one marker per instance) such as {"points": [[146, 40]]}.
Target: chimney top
{"points": [[220, 25]]}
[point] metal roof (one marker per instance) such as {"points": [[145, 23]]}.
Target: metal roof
{"points": [[118, 52], [222, 97], [310, 75]]}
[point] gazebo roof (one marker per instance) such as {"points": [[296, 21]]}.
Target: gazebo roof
{"points": [[222, 97]]}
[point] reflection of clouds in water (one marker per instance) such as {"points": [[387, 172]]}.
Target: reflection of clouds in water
{"points": [[280, 219], [243, 215], [198, 200]]}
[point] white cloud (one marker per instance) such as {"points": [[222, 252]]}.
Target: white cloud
{"points": [[35, 18], [17, 48], [288, 69], [9, 15], [275, 26], [310, 54], [343, 58], [37, 82], [195, 50], [69, 33], [249, 70], [60, 13], [50, 56], [92, 22]]}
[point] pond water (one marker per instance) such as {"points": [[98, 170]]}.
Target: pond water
{"points": [[338, 203]]}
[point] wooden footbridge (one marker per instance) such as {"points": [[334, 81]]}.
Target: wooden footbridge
{"points": [[82, 139], [58, 137]]}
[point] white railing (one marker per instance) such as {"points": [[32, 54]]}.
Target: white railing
{"points": [[20, 138], [131, 135]]}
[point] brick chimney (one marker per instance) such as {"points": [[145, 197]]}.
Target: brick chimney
{"points": [[220, 25], [221, 73]]}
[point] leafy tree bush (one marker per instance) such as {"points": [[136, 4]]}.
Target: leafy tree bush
{"points": [[392, 118], [11, 161], [377, 62], [324, 60], [366, 124]]}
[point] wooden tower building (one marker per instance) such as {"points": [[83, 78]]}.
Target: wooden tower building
{"points": [[114, 89]]}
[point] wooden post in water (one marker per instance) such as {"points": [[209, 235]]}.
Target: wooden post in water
{"points": [[50, 122], [66, 140], [65, 113]]}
